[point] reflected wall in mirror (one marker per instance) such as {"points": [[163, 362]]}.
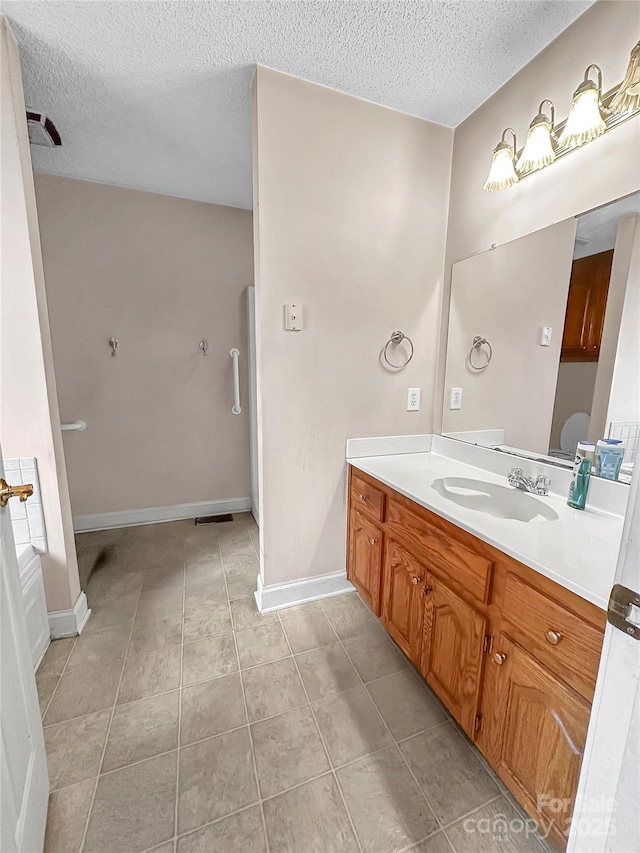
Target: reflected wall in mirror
{"points": [[559, 310]]}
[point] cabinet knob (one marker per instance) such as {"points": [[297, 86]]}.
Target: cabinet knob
{"points": [[372, 541], [553, 637], [363, 498], [499, 658], [415, 580]]}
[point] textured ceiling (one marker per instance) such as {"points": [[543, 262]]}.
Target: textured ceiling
{"points": [[156, 95], [597, 230]]}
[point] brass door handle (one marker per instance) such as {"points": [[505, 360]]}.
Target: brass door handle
{"points": [[7, 491], [553, 637], [499, 658]]}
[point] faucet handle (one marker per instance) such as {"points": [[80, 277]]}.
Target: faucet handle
{"points": [[514, 475], [542, 484]]}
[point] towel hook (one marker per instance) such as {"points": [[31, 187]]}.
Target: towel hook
{"points": [[113, 343], [204, 346]]}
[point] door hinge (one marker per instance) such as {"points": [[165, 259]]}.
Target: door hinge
{"points": [[624, 610], [477, 724], [487, 643]]}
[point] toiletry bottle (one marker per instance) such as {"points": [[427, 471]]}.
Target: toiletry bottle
{"points": [[609, 456], [581, 474]]}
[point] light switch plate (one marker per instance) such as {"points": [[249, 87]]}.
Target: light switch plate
{"points": [[293, 317], [545, 336], [455, 401], [413, 400]]}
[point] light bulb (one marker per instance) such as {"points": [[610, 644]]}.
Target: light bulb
{"points": [[538, 150], [585, 120], [502, 173]]}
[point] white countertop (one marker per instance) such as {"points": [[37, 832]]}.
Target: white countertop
{"points": [[578, 550]]}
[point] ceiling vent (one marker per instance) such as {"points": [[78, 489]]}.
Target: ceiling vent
{"points": [[42, 131]]}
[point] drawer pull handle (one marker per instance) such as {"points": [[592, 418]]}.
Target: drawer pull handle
{"points": [[499, 658], [363, 498], [372, 541], [553, 637]]}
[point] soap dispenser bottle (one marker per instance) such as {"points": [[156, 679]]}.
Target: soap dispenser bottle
{"points": [[581, 475]]}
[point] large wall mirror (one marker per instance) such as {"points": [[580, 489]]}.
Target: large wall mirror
{"points": [[543, 347]]}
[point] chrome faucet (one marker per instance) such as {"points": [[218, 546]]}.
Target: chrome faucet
{"points": [[539, 486]]}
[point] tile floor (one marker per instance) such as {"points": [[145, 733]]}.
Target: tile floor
{"points": [[182, 721]]}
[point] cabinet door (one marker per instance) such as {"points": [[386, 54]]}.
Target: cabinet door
{"points": [[403, 599], [586, 306], [543, 725], [452, 651], [365, 559]]}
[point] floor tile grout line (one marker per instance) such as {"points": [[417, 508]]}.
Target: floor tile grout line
{"points": [[106, 740], [324, 745], [180, 695], [388, 730], [64, 669], [246, 707], [397, 743]]}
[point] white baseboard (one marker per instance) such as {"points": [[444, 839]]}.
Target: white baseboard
{"points": [[69, 623], [280, 595], [151, 515]]}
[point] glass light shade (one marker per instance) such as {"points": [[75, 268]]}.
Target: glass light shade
{"points": [[627, 98], [538, 149], [585, 120], [502, 174]]}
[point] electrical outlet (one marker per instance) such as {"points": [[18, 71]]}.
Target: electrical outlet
{"points": [[413, 400], [455, 401]]}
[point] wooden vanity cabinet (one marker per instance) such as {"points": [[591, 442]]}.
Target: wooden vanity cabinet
{"points": [[538, 729], [455, 637], [364, 561], [511, 654]]}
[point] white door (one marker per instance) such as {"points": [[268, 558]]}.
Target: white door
{"points": [[24, 783], [607, 814]]}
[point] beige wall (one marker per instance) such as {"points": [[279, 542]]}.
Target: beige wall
{"points": [[624, 403], [574, 393], [29, 418], [594, 175], [507, 295], [159, 273], [351, 210]]}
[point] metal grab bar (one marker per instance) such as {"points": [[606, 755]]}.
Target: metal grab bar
{"points": [[235, 355], [77, 426]]}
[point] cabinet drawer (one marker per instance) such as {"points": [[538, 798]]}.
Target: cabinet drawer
{"points": [[565, 642], [470, 570], [367, 498]]}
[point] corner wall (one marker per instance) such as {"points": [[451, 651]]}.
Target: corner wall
{"points": [[351, 212], [160, 274], [595, 175], [30, 419]]}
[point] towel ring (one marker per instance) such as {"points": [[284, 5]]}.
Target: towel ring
{"points": [[477, 343], [395, 339]]}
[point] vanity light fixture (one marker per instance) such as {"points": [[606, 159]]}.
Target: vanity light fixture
{"points": [[585, 121], [592, 113], [627, 98], [503, 171], [539, 149]]}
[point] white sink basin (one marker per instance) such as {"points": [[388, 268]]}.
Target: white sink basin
{"points": [[493, 499]]}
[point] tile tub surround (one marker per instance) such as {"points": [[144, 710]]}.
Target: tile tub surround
{"points": [[27, 518], [215, 728], [579, 550]]}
